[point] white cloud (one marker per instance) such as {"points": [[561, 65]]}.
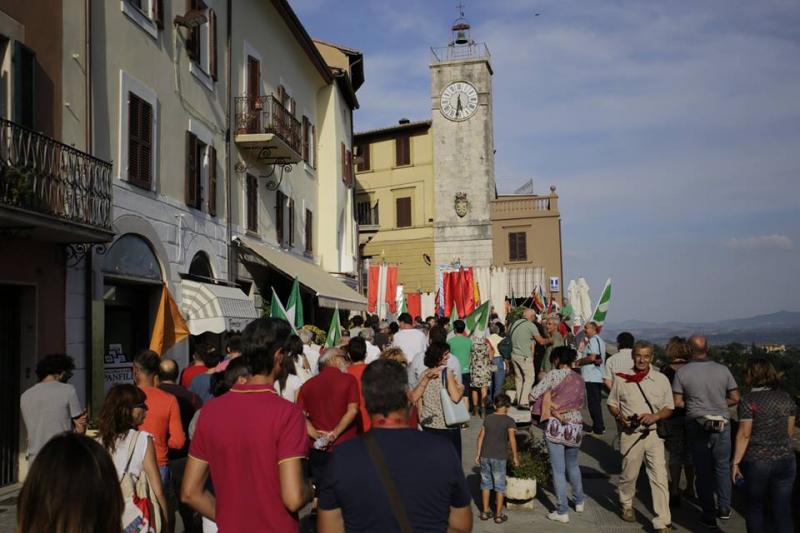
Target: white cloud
{"points": [[763, 242]]}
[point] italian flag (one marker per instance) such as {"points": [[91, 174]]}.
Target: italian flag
{"points": [[600, 312], [276, 310], [294, 306], [478, 320], [334, 330]]}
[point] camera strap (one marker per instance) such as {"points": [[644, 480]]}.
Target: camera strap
{"points": [[645, 398]]}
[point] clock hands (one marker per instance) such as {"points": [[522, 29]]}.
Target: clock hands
{"points": [[459, 109]]}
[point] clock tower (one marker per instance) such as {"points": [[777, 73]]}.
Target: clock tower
{"points": [[463, 149]]}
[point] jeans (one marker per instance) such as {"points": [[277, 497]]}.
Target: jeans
{"points": [[711, 454], [493, 474], [498, 377], [594, 401], [564, 463], [771, 480]]}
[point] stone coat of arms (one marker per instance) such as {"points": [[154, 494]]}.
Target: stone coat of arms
{"points": [[461, 204]]}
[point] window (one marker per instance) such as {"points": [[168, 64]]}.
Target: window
{"points": [[252, 203], [195, 161], [212, 181], [148, 14], [24, 85], [309, 142], [366, 213], [403, 211], [309, 231], [363, 157], [347, 166], [402, 147], [140, 142], [290, 240], [280, 201], [517, 246], [201, 45]]}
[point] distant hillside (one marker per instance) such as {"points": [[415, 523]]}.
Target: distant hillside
{"points": [[780, 327]]}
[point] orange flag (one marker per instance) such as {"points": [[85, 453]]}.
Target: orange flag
{"points": [[169, 327]]}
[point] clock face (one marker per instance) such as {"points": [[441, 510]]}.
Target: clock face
{"points": [[459, 101]]}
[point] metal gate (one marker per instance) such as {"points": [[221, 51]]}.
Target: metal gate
{"points": [[9, 383]]}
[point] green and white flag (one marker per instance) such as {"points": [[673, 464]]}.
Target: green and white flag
{"points": [[403, 306], [294, 306], [478, 320], [600, 312], [334, 330], [276, 310], [453, 315]]}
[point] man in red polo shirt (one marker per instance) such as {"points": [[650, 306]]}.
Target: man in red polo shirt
{"points": [[252, 442], [330, 403]]}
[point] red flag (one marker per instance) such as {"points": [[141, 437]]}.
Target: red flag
{"points": [[438, 303], [372, 287], [447, 286], [391, 288], [459, 287], [414, 304], [469, 292]]}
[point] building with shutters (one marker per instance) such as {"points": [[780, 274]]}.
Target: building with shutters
{"points": [[426, 197]]}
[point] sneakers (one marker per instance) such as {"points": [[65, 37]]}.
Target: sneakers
{"points": [[580, 507], [555, 517], [724, 514], [628, 515], [709, 523]]}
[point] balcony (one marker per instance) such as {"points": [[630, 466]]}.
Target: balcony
{"points": [[267, 128], [367, 217], [50, 191]]}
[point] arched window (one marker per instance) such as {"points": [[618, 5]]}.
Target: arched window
{"points": [[132, 256], [201, 266]]}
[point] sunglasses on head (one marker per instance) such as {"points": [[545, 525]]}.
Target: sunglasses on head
{"points": [[140, 406]]}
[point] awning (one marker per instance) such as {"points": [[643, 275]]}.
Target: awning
{"points": [[215, 308], [329, 291]]}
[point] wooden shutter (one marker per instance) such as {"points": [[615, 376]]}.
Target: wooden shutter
{"points": [[280, 198], [402, 151], [290, 240], [306, 135], [517, 246], [363, 157], [158, 13], [192, 193], [212, 43], [140, 141], [212, 181], [24, 60], [403, 206], [281, 95], [252, 203], [193, 37], [313, 146], [344, 163], [309, 231]]}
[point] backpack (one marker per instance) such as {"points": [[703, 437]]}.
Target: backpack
{"points": [[142, 513], [505, 346]]}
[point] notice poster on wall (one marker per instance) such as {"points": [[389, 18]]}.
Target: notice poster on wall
{"points": [[555, 285], [117, 369]]}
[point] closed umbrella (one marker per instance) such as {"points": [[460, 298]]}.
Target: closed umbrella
{"points": [[584, 301]]}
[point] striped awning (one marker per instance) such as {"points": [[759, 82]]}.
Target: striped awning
{"points": [[215, 308]]}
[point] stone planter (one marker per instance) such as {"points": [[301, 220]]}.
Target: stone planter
{"points": [[520, 492]]}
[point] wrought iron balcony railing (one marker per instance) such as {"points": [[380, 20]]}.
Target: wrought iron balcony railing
{"points": [[265, 114], [42, 175]]}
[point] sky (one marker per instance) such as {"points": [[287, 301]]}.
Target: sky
{"points": [[670, 129]]}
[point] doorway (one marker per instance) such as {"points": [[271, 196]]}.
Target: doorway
{"points": [[10, 356]]}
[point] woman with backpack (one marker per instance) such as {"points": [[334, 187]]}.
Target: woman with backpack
{"points": [[134, 457]]}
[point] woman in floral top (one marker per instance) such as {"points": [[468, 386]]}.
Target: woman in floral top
{"points": [[764, 452]]}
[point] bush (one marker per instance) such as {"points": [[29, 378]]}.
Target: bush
{"points": [[508, 383], [534, 461], [320, 336]]}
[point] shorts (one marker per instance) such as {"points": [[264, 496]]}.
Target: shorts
{"points": [[493, 474], [675, 442], [317, 462]]}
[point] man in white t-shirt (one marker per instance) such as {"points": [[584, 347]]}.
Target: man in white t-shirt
{"points": [[622, 361], [412, 341], [310, 367], [373, 352]]}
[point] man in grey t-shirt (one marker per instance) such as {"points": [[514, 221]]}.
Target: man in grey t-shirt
{"points": [[51, 406], [707, 389]]}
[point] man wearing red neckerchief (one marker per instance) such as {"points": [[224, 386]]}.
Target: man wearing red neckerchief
{"points": [[638, 401]]}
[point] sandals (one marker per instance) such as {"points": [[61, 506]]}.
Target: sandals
{"points": [[499, 519], [485, 516]]}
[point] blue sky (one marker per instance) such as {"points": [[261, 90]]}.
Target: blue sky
{"points": [[671, 129]]}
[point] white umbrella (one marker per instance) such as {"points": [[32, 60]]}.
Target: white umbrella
{"points": [[584, 309], [572, 296]]}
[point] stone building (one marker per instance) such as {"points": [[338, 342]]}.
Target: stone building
{"points": [[426, 196]]}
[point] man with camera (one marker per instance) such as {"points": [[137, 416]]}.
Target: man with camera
{"points": [[707, 390], [638, 401]]}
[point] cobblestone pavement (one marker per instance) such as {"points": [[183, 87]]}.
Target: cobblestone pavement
{"points": [[600, 467]]}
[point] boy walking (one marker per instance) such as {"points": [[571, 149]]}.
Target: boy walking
{"points": [[498, 431]]}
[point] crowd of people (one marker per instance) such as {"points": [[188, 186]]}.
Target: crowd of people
{"points": [[242, 441]]}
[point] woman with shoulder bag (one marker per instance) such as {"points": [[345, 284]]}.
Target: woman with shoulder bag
{"points": [[134, 457], [438, 377], [561, 392]]}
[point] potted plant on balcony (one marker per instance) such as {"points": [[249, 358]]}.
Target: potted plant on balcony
{"points": [[534, 468]]}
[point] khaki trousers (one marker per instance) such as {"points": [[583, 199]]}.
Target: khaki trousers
{"points": [[649, 449], [523, 377]]}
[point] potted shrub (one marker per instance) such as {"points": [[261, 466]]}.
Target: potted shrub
{"points": [[509, 387], [534, 467]]}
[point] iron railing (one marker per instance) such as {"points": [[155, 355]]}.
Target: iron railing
{"points": [[367, 215], [265, 114], [40, 174], [458, 52]]}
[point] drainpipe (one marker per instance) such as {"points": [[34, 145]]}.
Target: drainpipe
{"points": [[88, 263], [232, 260]]}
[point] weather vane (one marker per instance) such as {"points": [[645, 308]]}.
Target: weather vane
{"points": [[460, 7]]}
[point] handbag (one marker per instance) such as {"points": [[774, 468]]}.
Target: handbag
{"points": [[455, 413], [661, 429], [398, 509], [505, 346], [142, 513], [569, 434]]}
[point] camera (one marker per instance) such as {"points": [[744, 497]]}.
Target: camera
{"points": [[634, 422]]}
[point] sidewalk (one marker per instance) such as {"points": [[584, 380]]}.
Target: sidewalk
{"points": [[600, 467]]}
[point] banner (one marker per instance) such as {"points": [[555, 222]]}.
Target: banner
{"points": [[169, 328]]}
